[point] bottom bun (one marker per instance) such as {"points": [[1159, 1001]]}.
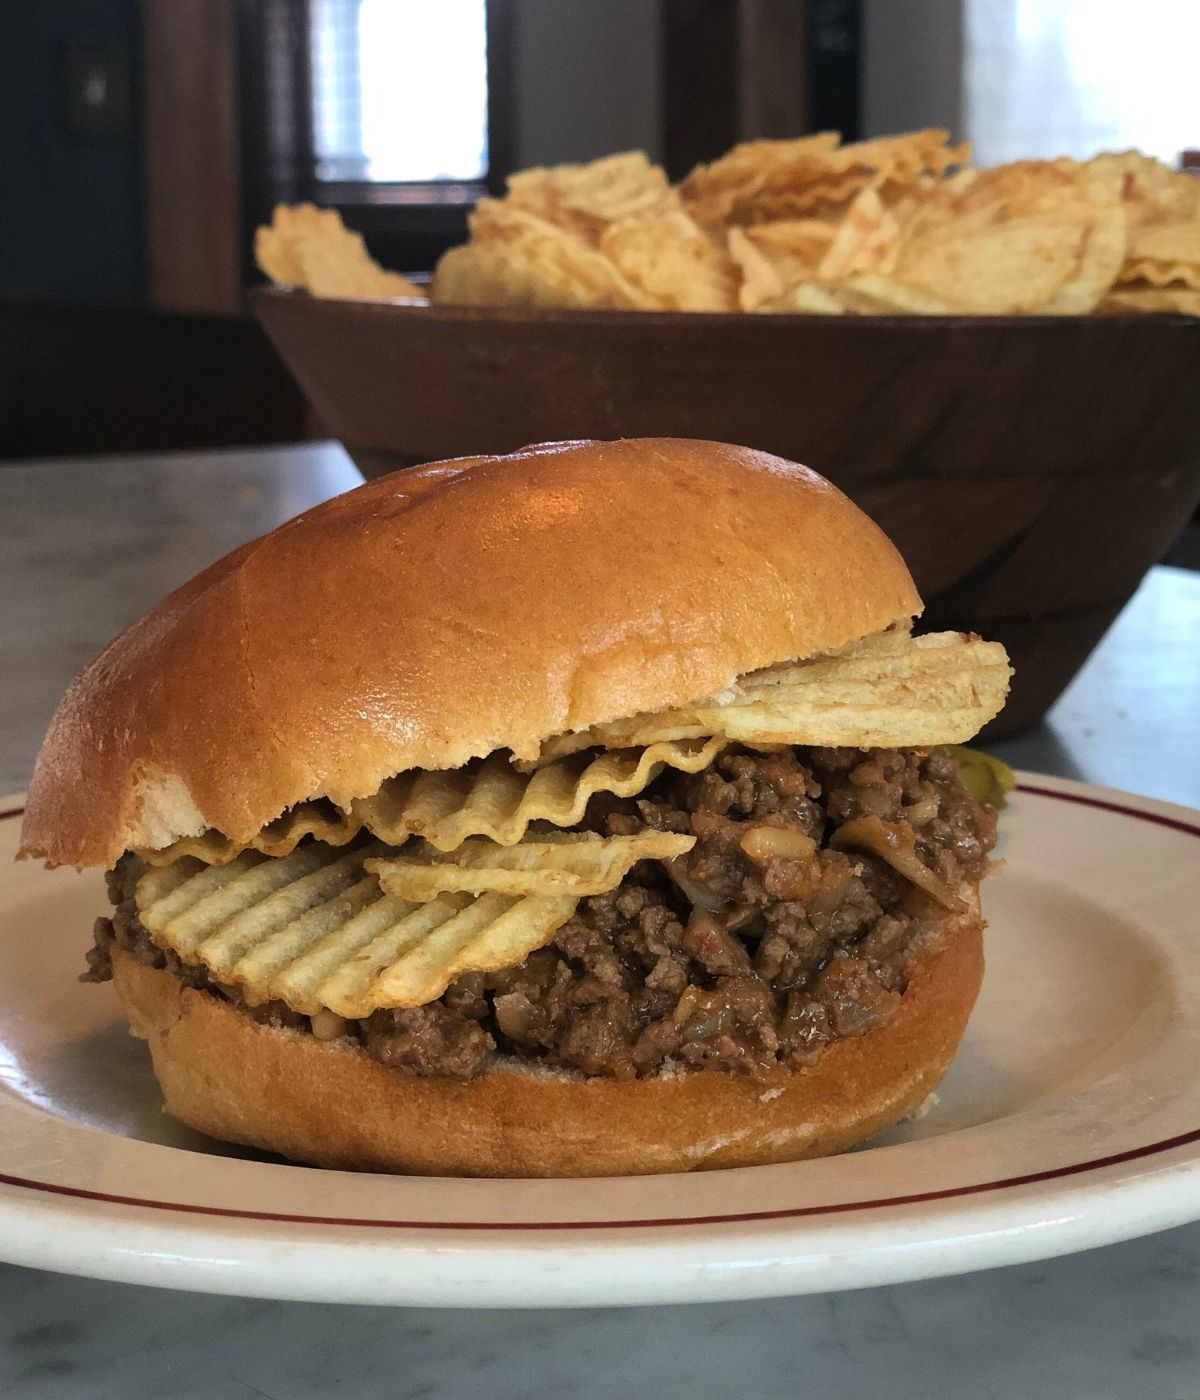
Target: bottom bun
{"points": [[329, 1104]]}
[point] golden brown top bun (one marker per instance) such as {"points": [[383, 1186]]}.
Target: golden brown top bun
{"points": [[445, 612]]}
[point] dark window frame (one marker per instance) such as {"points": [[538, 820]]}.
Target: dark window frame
{"points": [[406, 225]]}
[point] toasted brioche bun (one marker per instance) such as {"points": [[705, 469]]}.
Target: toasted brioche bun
{"points": [[442, 613], [329, 1104]]}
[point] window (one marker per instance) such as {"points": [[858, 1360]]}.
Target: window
{"points": [[399, 91], [1074, 77], [397, 113]]}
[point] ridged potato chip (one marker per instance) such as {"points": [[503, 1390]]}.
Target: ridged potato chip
{"points": [[806, 191], [275, 250], [776, 257], [867, 240], [1099, 264], [1147, 300], [1009, 243], [1159, 274], [1152, 191], [874, 294], [1011, 268], [721, 192], [353, 932], [761, 181], [1155, 195], [1163, 242], [761, 279], [497, 801], [889, 691], [494, 932], [311, 249], [1162, 208], [493, 798], [808, 298], [672, 262], [589, 196], [315, 930], [569, 863]]}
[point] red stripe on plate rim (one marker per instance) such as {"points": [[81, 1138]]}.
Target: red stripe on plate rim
{"points": [[740, 1217]]}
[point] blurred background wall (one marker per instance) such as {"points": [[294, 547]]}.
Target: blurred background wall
{"points": [[71, 220], [587, 80], [912, 66]]}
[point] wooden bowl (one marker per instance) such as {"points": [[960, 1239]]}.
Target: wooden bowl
{"points": [[1030, 469]]}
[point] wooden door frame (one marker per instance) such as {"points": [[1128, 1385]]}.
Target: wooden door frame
{"points": [[736, 70], [194, 251]]}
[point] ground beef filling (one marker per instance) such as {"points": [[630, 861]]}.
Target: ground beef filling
{"points": [[778, 933]]}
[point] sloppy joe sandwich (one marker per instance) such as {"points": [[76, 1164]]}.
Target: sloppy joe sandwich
{"points": [[577, 812]]}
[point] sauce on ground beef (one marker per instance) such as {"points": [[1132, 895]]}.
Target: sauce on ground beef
{"points": [[756, 949]]}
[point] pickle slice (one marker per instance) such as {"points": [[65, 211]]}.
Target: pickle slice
{"points": [[985, 777]]}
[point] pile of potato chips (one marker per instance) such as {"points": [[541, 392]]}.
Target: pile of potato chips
{"points": [[900, 224]]}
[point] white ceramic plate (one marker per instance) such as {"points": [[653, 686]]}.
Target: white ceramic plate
{"points": [[1071, 1118]]}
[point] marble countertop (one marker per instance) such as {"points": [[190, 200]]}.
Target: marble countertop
{"points": [[85, 547]]}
